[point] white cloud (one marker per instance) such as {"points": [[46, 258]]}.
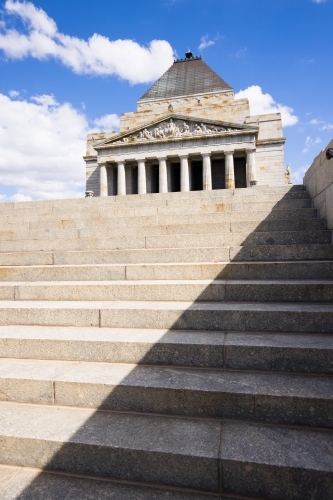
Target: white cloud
{"points": [[13, 93], [96, 56], [322, 124], [205, 42], [298, 174], [108, 122], [319, 1], [310, 143], [41, 147], [261, 103]]}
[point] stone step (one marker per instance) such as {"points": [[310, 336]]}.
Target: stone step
{"points": [[244, 227], [174, 290], [281, 398], [36, 484], [213, 218], [32, 215], [248, 238], [232, 350], [122, 446], [295, 270], [254, 191], [170, 255], [105, 222], [113, 203], [162, 450], [215, 316]]}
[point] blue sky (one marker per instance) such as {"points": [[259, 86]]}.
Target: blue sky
{"points": [[69, 67]]}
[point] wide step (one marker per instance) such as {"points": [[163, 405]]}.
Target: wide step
{"points": [[239, 316], [232, 350], [236, 458], [273, 398], [34, 484], [187, 290], [300, 270]]}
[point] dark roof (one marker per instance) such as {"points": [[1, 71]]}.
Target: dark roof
{"points": [[186, 77]]}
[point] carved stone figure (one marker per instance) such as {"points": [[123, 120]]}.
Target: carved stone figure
{"points": [[197, 129], [205, 129], [147, 134], [287, 174], [186, 129], [159, 133], [171, 129]]}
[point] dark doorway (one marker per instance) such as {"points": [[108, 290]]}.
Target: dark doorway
{"points": [[134, 180], [175, 177], [155, 179], [218, 174], [240, 172], [196, 170], [114, 181]]}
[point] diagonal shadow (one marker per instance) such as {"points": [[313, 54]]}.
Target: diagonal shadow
{"points": [[140, 390]]}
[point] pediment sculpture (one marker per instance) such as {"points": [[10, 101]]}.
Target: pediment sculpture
{"points": [[174, 129]]}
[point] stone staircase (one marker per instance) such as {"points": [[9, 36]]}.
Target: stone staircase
{"points": [[172, 347]]}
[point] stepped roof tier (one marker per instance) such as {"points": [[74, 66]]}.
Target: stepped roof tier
{"points": [[186, 77]]}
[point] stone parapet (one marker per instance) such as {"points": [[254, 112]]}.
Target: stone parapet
{"points": [[319, 183]]}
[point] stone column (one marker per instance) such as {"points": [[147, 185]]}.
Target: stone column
{"points": [[142, 183], [103, 181], [229, 170], [163, 177], [184, 174], [121, 188], [206, 172], [251, 167]]}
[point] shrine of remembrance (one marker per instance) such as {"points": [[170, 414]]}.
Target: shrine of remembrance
{"points": [[189, 133]]}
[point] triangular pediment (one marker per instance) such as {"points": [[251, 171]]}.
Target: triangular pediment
{"points": [[174, 126]]}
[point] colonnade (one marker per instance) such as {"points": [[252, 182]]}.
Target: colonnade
{"points": [[184, 173]]}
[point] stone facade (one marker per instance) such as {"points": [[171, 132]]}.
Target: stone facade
{"points": [[174, 142]]}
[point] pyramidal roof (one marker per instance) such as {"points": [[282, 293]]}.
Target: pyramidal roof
{"points": [[185, 77]]}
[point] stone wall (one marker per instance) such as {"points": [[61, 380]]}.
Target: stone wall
{"points": [[220, 107], [270, 149], [319, 183]]}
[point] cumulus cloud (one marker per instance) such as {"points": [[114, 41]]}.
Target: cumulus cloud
{"points": [[310, 143], [107, 122], [41, 147], [261, 103], [98, 55]]}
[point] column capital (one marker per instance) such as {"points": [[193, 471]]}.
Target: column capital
{"points": [[120, 162], [206, 154], [184, 155], [250, 150], [229, 152], [162, 158]]}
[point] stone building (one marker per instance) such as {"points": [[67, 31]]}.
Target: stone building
{"points": [[188, 133]]}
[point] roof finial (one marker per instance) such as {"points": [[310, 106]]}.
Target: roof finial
{"points": [[188, 54]]}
